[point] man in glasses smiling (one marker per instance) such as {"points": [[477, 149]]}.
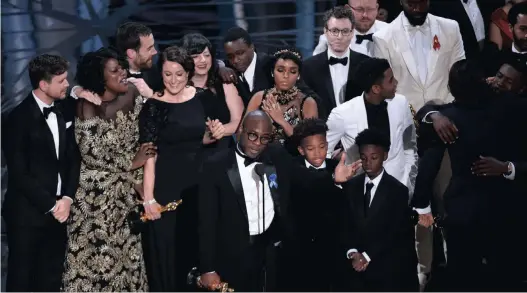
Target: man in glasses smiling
{"points": [[242, 211]]}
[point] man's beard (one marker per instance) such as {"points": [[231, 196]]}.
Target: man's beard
{"points": [[520, 44], [414, 21]]}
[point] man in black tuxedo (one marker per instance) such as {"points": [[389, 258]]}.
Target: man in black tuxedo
{"points": [[329, 73], [489, 159], [240, 228], [379, 238], [253, 69], [43, 170]]}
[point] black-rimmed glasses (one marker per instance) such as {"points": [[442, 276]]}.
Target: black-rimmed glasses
{"points": [[264, 139]]}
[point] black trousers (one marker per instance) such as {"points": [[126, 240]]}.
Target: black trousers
{"points": [[36, 257]]}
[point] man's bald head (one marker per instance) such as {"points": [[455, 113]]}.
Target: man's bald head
{"points": [[256, 133], [256, 115]]}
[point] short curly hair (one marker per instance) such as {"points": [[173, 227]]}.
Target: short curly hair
{"points": [[372, 136], [339, 12], [308, 127], [179, 55], [44, 67], [90, 69]]}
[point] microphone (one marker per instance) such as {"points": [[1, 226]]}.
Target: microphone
{"points": [[259, 169]]}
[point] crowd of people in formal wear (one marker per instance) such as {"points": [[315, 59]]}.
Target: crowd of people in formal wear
{"points": [[393, 153]]}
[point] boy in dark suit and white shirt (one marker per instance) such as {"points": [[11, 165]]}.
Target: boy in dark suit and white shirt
{"points": [[379, 234], [314, 201]]}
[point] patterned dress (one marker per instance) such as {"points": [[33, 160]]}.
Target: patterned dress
{"points": [[103, 254]]}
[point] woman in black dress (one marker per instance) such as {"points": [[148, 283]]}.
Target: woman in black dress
{"points": [[223, 101], [176, 121]]}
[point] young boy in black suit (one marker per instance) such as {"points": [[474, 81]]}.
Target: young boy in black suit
{"points": [[379, 234], [314, 199]]}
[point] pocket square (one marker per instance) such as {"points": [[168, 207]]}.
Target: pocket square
{"points": [[68, 124]]}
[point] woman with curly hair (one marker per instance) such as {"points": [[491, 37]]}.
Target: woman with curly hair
{"points": [[285, 103], [221, 99], [176, 121], [103, 254]]}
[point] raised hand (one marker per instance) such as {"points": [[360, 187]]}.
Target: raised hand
{"points": [[345, 172], [88, 96], [142, 87]]}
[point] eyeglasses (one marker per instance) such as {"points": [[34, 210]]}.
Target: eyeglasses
{"points": [[361, 10], [264, 139], [335, 32]]}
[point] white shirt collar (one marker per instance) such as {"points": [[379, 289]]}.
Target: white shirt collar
{"points": [[332, 54], [375, 181], [41, 104], [323, 166], [514, 50], [252, 66]]}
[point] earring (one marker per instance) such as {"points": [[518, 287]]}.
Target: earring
{"points": [[272, 74]]}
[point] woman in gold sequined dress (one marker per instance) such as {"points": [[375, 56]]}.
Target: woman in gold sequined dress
{"points": [[103, 254]]}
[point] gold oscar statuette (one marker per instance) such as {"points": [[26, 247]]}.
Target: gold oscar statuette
{"points": [[171, 206]]}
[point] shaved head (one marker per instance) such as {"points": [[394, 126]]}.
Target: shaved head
{"points": [[256, 133]]}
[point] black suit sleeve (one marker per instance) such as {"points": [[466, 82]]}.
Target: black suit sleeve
{"points": [[429, 165], [208, 198], [521, 171], [17, 162], [398, 223]]}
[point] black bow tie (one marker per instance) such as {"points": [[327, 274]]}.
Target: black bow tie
{"points": [[247, 160], [466, 1], [48, 111], [333, 61], [361, 38]]}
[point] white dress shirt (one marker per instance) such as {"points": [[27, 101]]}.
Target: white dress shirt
{"points": [[365, 47], [254, 201], [54, 128], [323, 166], [474, 14], [375, 182], [249, 73], [339, 76], [420, 41]]}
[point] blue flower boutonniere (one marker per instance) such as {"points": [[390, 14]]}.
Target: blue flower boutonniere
{"points": [[272, 181]]}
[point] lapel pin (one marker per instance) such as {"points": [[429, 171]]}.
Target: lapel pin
{"points": [[436, 45]]}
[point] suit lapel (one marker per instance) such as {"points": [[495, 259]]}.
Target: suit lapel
{"points": [[234, 177], [362, 114], [258, 76], [357, 199], [272, 179], [328, 83], [434, 54], [392, 120], [42, 127], [404, 46], [378, 198]]}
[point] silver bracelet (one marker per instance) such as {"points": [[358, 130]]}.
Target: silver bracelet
{"points": [[152, 201]]}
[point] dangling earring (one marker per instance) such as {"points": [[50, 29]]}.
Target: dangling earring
{"points": [[272, 74]]}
